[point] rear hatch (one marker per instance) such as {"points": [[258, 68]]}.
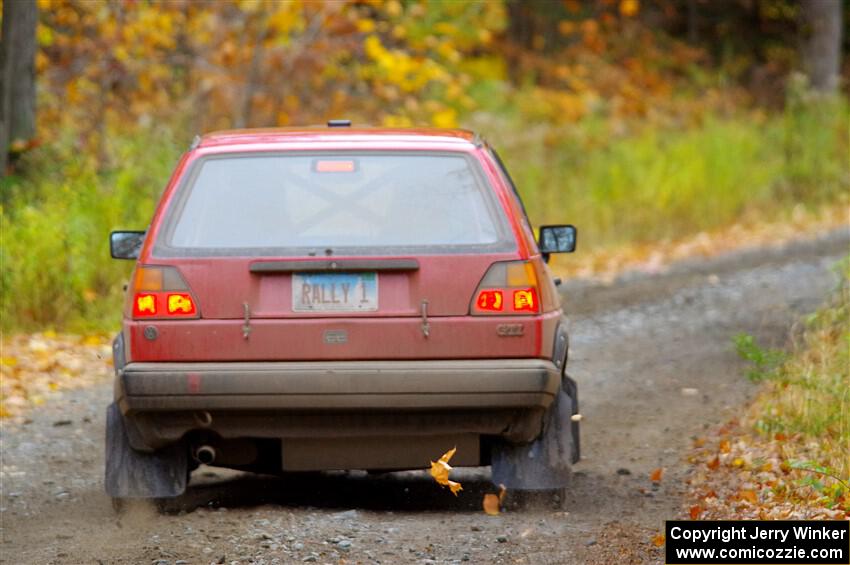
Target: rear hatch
{"points": [[343, 255]]}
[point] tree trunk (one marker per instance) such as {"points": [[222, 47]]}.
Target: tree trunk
{"points": [[821, 26], [17, 75]]}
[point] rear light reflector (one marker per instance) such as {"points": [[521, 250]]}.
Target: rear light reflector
{"points": [[160, 292]]}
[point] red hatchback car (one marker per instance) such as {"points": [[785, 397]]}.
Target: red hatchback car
{"points": [[339, 298]]}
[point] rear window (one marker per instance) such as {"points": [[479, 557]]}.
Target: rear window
{"points": [[350, 203]]}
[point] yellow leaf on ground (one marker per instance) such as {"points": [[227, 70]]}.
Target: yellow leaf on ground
{"points": [[491, 504], [92, 340], [658, 540]]}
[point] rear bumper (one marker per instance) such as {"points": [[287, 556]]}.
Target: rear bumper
{"points": [[505, 397]]}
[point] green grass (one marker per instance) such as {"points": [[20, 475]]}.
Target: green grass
{"points": [[664, 183], [809, 393], [654, 183], [54, 250]]}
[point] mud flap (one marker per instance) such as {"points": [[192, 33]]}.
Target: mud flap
{"points": [[133, 474], [571, 389], [543, 464]]}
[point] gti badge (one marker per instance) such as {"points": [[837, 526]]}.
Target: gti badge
{"points": [[510, 330]]}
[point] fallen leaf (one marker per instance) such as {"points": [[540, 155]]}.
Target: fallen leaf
{"points": [[695, 512], [725, 446], [713, 464], [748, 495], [491, 504], [656, 475], [658, 540], [440, 471], [92, 340], [699, 442]]}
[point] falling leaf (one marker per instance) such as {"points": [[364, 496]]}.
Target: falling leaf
{"points": [[695, 512], [656, 475], [658, 540], [440, 471]]}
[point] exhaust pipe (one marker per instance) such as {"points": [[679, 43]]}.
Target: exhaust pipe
{"points": [[205, 454]]}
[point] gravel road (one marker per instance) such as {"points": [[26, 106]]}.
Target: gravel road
{"points": [[655, 365]]}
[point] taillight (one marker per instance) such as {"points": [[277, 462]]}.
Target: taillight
{"points": [[160, 292], [511, 288]]}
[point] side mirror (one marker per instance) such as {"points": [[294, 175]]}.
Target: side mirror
{"points": [[126, 244], [557, 239]]}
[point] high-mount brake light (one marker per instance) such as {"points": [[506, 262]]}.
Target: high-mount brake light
{"points": [[160, 292], [513, 288], [335, 166]]}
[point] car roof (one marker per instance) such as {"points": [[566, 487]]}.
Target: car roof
{"points": [[326, 135]]}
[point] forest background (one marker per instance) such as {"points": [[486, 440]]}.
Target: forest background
{"points": [[641, 121]]}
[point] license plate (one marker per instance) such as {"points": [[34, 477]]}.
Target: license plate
{"points": [[334, 292]]}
